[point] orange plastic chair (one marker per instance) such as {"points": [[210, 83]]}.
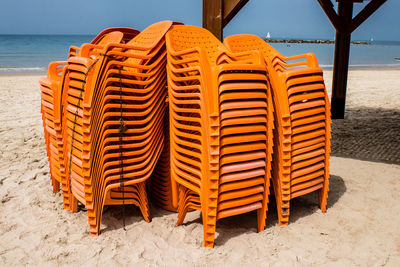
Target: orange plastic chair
{"points": [[114, 122], [220, 128], [302, 123]]}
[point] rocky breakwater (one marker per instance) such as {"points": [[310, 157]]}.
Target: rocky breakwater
{"points": [[299, 41]]}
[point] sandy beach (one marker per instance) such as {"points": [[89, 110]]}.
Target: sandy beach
{"points": [[360, 227]]}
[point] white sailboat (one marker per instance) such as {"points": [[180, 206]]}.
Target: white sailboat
{"points": [[268, 36]]}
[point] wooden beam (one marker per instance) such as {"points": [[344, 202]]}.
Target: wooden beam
{"points": [[350, 1], [327, 6], [231, 8], [213, 16], [218, 13], [345, 24], [368, 10], [341, 62]]}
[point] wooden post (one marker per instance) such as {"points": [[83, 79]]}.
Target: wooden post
{"points": [[341, 61], [213, 17], [344, 24], [218, 13]]}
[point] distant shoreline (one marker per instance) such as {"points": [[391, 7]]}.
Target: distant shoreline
{"points": [[300, 41], [12, 74]]}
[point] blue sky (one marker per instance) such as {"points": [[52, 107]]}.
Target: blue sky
{"points": [[283, 18]]}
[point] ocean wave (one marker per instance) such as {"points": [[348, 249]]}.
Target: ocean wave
{"points": [[22, 69]]}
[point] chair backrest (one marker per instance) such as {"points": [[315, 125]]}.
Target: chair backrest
{"points": [[182, 37], [112, 37], [127, 32], [247, 42], [148, 40], [152, 35]]}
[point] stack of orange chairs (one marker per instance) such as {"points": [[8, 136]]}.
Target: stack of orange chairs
{"points": [[114, 121], [221, 119], [302, 123], [72, 110], [51, 98]]}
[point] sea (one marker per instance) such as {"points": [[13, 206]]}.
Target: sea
{"points": [[33, 53]]}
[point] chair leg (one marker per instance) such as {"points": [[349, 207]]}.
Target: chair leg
{"points": [[55, 184], [281, 206], [208, 213], [144, 202], [66, 196], [261, 217], [323, 192], [182, 205], [323, 195], [262, 213], [94, 213], [94, 228], [73, 203]]}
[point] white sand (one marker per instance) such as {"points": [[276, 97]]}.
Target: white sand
{"points": [[370, 88], [360, 227]]}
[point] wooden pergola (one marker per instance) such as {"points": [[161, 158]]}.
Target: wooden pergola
{"points": [[218, 13]]}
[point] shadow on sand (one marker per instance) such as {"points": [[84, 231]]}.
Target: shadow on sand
{"points": [[368, 134], [113, 216], [300, 207], [247, 223]]}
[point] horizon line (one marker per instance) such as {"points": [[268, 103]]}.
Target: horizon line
{"points": [[272, 38]]}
